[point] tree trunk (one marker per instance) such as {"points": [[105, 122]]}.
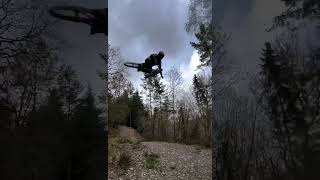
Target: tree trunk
{"points": [[153, 124], [160, 119], [174, 130], [35, 89]]}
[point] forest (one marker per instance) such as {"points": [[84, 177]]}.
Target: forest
{"points": [[54, 127], [50, 125], [164, 112], [271, 132]]}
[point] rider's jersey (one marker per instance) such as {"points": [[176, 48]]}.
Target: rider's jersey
{"points": [[153, 60]]}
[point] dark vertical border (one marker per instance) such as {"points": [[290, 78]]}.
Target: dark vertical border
{"points": [[213, 154], [107, 98]]}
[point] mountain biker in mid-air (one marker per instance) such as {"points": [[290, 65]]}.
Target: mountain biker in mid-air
{"points": [[152, 60]]}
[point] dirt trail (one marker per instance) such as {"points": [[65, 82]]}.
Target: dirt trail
{"points": [[129, 134], [173, 161]]}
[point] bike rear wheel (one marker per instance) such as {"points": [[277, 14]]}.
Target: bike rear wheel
{"points": [[72, 13], [132, 65]]}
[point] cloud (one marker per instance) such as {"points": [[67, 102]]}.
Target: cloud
{"points": [[78, 48], [188, 70], [144, 26], [248, 30], [246, 23]]}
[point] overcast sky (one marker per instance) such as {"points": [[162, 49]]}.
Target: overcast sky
{"points": [[80, 49], [142, 27], [246, 22]]}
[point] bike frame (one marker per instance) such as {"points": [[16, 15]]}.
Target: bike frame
{"points": [[137, 65]]}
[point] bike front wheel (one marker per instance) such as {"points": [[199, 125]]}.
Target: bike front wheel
{"points": [[132, 65]]}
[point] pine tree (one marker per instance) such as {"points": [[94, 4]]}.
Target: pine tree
{"points": [[149, 92], [270, 66], [201, 91], [119, 110], [165, 109], [210, 42], [286, 90], [297, 10], [204, 37], [88, 148], [50, 115], [136, 111], [47, 134]]}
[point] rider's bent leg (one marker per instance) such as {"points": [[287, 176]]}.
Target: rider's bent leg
{"points": [[148, 70], [145, 68]]}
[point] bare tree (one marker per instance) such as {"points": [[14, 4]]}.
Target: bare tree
{"points": [[175, 81], [69, 88], [117, 72], [27, 62], [20, 22], [118, 86], [290, 80], [186, 115], [199, 13]]}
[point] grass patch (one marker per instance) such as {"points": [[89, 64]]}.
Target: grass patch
{"points": [[122, 140], [124, 160], [199, 148], [152, 160], [136, 145], [114, 150]]}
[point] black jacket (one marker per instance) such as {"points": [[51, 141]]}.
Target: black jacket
{"points": [[153, 60]]}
